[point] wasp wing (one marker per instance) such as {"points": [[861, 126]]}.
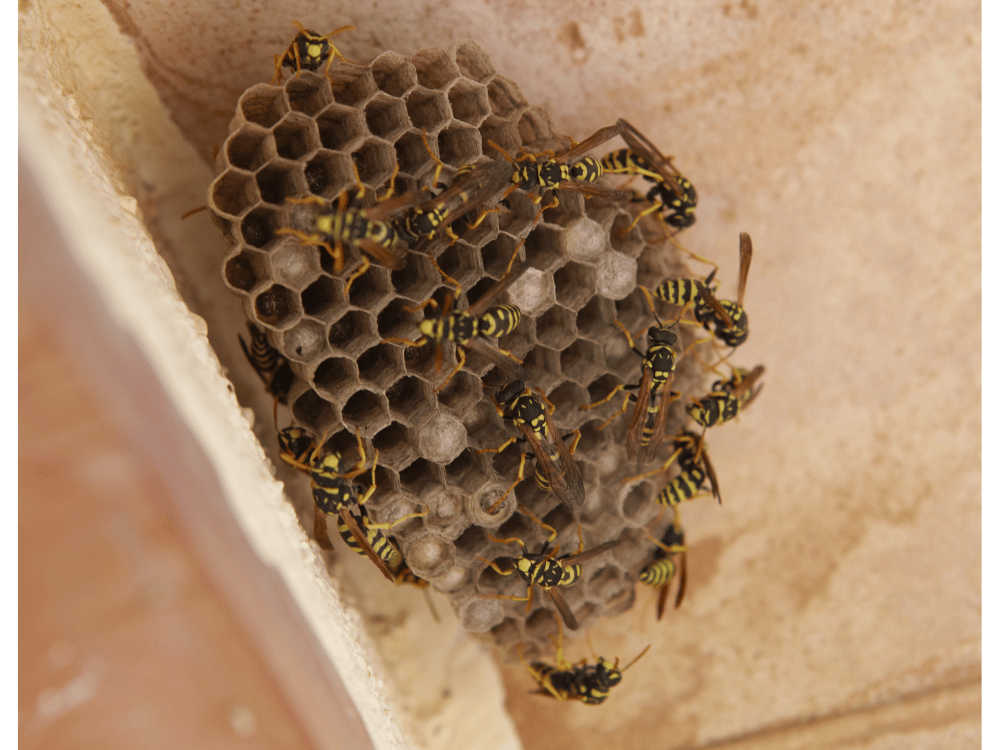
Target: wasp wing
{"points": [[383, 255], [598, 191], [494, 356], [563, 607], [722, 316], [320, 530], [645, 148], [569, 481], [601, 136], [362, 540], [485, 302], [633, 441], [660, 423], [592, 552], [746, 255]]}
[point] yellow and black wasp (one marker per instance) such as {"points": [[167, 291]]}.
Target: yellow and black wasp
{"points": [[368, 229], [727, 398], [471, 187], [308, 51], [547, 571], [467, 328], [333, 492], [691, 455], [588, 683], [672, 194], [725, 318], [669, 562], [555, 468], [548, 170], [652, 393], [268, 363]]}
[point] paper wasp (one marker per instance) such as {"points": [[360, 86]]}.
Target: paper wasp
{"points": [[547, 571], [691, 454], [467, 328], [555, 468], [548, 170], [308, 51], [333, 492], [268, 363], [652, 394], [671, 191], [365, 228], [727, 398], [725, 318], [588, 683], [669, 561]]}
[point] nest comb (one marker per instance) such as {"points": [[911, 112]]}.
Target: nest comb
{"points": [[305, 137]]}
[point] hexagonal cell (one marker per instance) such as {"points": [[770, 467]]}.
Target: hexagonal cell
{"points": [[395, 446], [324, 298], [428, 554], [410, 400], [314, 413], [585, 240], [567, 212], [336, 377], [372, 290], [582, 361], [304, 341], [593, 440], [353, 333], [351, 84], [632, 310], [294, 265], [568, 398], [328, 174], [249, 148], [556, 328], [502, 132], [381, 365], [386, 116], [480, 615], [496, 254], [394, 74], [340, 128], [277, 306], [412, 155], [263, 105], [447, 510], [626, 243], [308, 94], [469, 471], [506, 99], [461, 393], [616, 275], [535, 124], [543, 365], [280, 180], [428, 110], [296, 136], [575, 285], [234, 192], [366, 411], [469, 101], [461, 262], [374, 161], [441, 437], [396, 322], [422, 476], [534, 292], [459, 145], [637, 501], [594, 320], [245, 269], [473, 61], [543, 248], [417, 280], [435, 69]]}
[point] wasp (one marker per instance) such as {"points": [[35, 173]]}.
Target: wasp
{"points": [[691, 454], [547, 571], [725, 318], [672, 194], [467, 327], [365, 228], [727, 398], [268, 363], [308, 51], [548, 170], [588, 683], [669, 561], [333, 492], [652, 393], [555, 468]]}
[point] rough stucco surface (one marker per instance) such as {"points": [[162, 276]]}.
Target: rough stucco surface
{"points": [[836, 596]]}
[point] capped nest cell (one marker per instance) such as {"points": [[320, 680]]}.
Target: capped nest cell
{"points": [[304, 138]]}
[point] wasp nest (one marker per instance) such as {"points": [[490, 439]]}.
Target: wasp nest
{"points": [[305, 137]]}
